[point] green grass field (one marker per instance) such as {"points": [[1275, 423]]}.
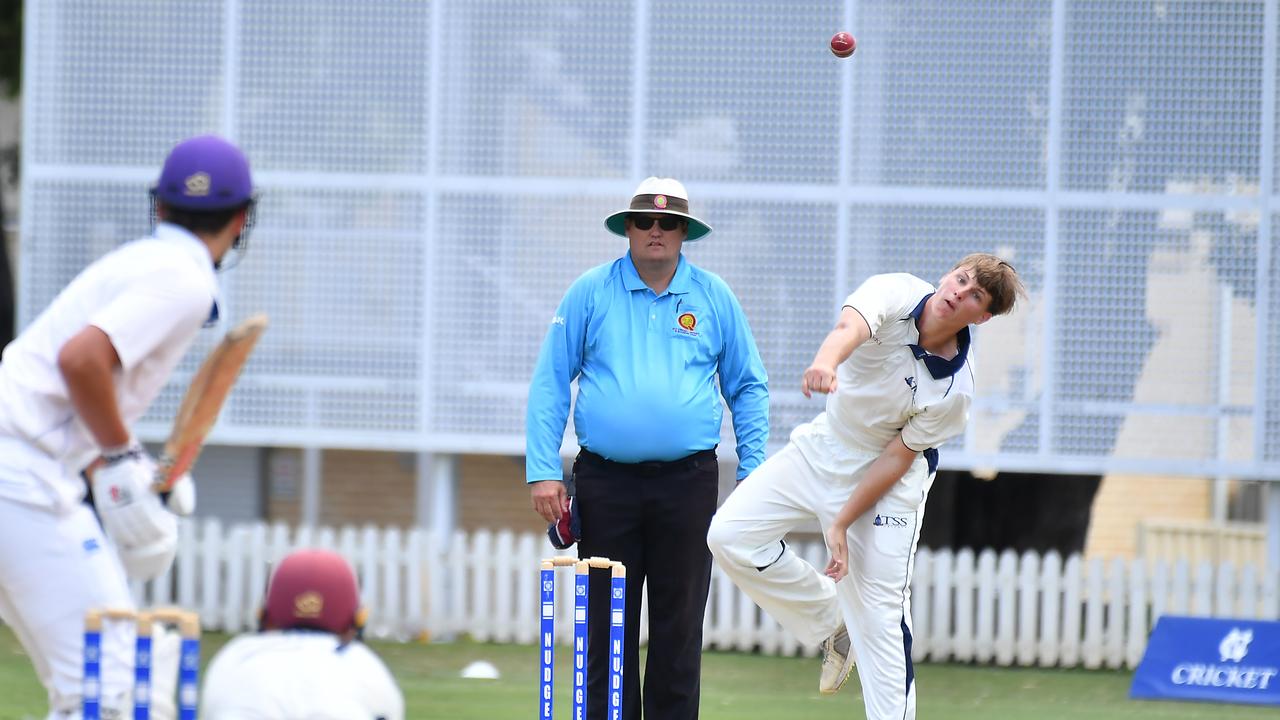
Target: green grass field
{"points": [[734, 685]]}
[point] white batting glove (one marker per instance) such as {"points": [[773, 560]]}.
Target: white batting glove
{"points": [[182, 496], [131, 513], [145, 562]]}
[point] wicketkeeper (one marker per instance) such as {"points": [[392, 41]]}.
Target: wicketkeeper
{"points": [[307, 661]]}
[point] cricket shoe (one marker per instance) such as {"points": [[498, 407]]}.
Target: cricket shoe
{"points": [[837, 662]]}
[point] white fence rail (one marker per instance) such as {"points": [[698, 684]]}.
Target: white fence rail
{"points": [[1004, 609], [1216, 542]]}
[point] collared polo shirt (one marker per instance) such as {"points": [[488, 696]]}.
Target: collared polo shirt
{"points": [[889, 384], [647, 367], [151, 297]]}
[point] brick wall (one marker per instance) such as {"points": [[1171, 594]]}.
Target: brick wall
{"points": [[492, 494], [362, 487], [1125, 500], [284, 485], [368, 487], [357, 487]]}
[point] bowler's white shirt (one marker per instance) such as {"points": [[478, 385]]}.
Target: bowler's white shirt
{"points": [[294, 675], [151, 297], [883, 389]]}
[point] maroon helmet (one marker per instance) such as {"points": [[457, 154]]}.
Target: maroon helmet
{"points": [[313, 589]]}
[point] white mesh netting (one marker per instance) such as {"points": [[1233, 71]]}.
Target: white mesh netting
{"points": [[433, 176]]}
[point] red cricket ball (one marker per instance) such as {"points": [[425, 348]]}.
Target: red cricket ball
{"points": [[843, 44]]}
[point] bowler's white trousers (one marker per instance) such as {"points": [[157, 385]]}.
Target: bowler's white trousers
{"points": [[787, 492]]}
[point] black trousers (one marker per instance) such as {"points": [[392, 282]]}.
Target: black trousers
{"points": [[652, 517]]}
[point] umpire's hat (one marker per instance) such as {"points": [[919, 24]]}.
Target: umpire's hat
{"points": [[661, 196]]}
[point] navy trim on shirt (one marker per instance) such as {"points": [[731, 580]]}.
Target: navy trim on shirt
{"points": [[214, 315], [940, 367]]}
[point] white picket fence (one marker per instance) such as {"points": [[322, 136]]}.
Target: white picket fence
{"points": [[1004, 609]]}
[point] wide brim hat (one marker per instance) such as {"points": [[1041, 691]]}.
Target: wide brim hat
{"points": [[659, 196]]}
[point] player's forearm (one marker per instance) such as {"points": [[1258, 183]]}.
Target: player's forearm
{"points": [[835, 349], [850, 332], [884, 472], [87, 363], [867, 493]]}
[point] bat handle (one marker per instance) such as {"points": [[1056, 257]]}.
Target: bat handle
{"points": [[92, 467], [164, 477]]}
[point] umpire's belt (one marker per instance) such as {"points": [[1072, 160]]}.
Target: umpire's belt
{"points": [[701, 458]]}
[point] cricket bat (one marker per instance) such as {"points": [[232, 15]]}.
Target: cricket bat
{"points": [[203, 400]]}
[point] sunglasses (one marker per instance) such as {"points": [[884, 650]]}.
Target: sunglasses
{"points": [[667, 223]]}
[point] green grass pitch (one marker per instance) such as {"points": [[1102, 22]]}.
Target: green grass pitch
{"points": [[734, 685]]}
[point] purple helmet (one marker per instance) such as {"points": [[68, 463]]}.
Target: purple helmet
{"points": [[204, 173]]}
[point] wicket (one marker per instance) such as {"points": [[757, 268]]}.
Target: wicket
{"points": [[617, 612], [188, 623]]}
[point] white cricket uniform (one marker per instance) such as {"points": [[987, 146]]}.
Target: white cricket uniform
{"points": [[151, 297], [291, 674], [885, 388]]}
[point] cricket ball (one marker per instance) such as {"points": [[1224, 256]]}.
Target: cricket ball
{"points": [[843, 44]]}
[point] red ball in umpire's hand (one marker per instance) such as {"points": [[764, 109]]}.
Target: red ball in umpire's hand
{"points": [[843, 44]]}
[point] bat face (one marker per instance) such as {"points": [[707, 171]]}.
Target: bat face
{"points": [[204, 399]]}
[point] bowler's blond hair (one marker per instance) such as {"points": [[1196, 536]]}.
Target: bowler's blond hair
{"points": [[997, 278]]}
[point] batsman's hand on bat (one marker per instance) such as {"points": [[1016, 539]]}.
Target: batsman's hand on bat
{"points": [[837, 539], [550, 499], [130, 512], [181, 498], [144, 530], [818, 378]]}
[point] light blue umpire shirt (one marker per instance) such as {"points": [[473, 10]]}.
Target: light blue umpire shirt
{"points": [[646, 367]]}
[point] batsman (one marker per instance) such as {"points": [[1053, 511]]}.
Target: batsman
{"points": [[71, 386]]}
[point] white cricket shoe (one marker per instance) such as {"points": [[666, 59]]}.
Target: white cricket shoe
{"points": [[837, 662]]}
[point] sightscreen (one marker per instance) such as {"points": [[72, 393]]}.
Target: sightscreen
{"points": [[433, 175]]}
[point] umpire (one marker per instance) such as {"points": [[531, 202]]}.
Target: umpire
{"points": [[646, 337]]}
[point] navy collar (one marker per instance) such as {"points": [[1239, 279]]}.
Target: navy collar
{"points": [[940, 367]]}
